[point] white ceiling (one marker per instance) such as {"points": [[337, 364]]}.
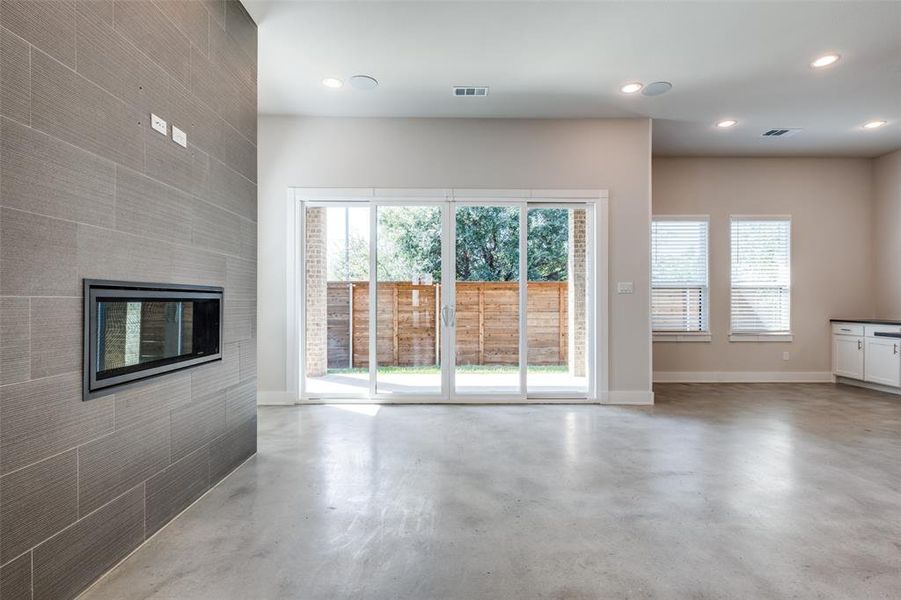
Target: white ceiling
{"points": [[743, 60]]}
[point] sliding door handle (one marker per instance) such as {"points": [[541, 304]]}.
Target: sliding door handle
{"points": [[448, 316]]}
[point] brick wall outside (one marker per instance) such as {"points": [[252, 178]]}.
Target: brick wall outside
{"points": [[316, 293], [577, 299]]}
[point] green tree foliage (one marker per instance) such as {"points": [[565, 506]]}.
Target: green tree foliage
{"points": [[547, 243], [487, 245], [409, 242], [349, 262]]}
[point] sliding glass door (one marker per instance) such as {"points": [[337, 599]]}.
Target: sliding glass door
{"points": [[487, 299], [439, 300], [557, 315], [335, 280], [408, 274]]}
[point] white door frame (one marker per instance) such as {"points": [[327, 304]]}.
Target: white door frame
{"points": [[299, 198]]}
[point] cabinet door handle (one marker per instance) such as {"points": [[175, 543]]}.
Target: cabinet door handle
{"points": [[896, 348], [859, 345], [845, 329]]}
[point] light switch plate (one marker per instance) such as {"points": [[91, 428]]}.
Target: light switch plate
{"points": [[157, 123], [179, 137], [625, 287]]}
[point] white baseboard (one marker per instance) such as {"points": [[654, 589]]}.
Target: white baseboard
{"points": [[636, 397], [870, 386], [742, 377], [615, 397], [275, 398]]}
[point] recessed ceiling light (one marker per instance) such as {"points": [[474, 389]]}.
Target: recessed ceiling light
{"points": [[726, 123], [825, 61], [631, 88], [331, 82], [874, 124]]}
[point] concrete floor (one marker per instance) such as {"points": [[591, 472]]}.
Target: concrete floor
{"points": [[718, 491]]}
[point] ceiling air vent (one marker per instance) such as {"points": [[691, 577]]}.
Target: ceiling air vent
{"points": [[780, 133], [471, 90]]}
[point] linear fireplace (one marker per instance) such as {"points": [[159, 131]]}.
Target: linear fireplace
{"points": [[133, 331]]}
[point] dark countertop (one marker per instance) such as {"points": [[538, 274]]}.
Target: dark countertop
{"points": [[873, 321]]}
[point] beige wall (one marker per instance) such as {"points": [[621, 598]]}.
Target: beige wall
{"points": [[491, 153], [830, 201], [886, 238]]}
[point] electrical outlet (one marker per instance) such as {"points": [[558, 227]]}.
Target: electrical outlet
{"points": [[157, 123], [785, 356], [179, 137], [625, 287]]}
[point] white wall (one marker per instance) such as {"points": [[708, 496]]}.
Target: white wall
{"points": [[464, 153], [831, 203], [887, 239]]}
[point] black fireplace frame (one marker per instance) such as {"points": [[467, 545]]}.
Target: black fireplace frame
{"points": [[92, 388]]}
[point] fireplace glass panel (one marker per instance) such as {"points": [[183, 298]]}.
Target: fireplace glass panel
{"points": [[135, 333]]}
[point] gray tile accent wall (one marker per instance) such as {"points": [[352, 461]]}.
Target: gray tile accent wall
{"points": [[229, 450], [15, 344], [15, 77], [147, 27], [152, 209], [42, 417], [88, 189], [114, 463], [172, 490], [47, 25], [38, 501], [69, 561], [37, 255], [15, 578], [69, 107], [196, 425], [54, 350], [40, 174]]}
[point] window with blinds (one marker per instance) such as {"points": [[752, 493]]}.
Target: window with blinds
{"points": [[761, 275], [679, 286]]}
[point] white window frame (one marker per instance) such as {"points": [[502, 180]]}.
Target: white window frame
{"points": [[686, 336], [762, 336]]}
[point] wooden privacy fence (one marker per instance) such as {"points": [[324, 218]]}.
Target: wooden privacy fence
{"points": [[409, 327]]}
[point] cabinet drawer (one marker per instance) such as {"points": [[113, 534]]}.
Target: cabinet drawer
{"points": [[871, 330], [847, 328]]}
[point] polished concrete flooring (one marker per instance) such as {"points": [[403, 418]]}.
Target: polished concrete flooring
{"points": [[718, 491]]}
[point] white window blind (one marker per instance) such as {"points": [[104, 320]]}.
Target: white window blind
{"points": [[761, 275], [679, 285]]}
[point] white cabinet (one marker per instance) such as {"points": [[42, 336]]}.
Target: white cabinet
{"points": [[867, 352], [882, 363], [847, 356]]}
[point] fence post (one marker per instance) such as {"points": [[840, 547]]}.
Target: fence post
{"points": [[561, 321], [481, 325], [396, 341], [350, 319]]}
